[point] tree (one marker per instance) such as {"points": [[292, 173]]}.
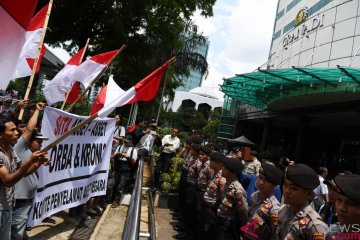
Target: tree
{"points": [[151, 29], [211, 129], [185, 119]]}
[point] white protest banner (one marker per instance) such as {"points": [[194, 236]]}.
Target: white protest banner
{"points": [[79, 164]]}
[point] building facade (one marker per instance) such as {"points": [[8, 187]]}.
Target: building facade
{"points": [[195, 77], [316, 33], [201, 99], [304, 102]]}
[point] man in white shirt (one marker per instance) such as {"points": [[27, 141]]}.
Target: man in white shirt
{"points": [[321, 192], [146, 143], [170, 144]]}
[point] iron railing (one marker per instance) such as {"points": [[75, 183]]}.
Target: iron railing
{"points": [[132, 224]]}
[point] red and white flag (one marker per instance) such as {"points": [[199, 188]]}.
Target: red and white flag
{"points": [[30, 49], [107, 95], [145, 90], [15, 16], [92, 67], [74, 93], [56, 89]]}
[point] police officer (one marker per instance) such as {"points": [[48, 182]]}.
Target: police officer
{"points": [[185, 152], [191, 186], [232, 210], [347, 207], [205, 174], [264, 206], [297, 220], [189, 159], [212, 196], [327, 211]]}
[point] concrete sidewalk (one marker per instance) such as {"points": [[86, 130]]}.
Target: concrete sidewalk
{"points": [[61, 228], [109, 226], [164, 230]]}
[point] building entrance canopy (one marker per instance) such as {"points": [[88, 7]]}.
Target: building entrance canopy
{"points": [[242, 140], [262, 87]]}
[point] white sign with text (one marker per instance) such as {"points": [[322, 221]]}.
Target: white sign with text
{"points": [[79, 164]]}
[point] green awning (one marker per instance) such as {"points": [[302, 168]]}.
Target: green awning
{"points": [[262, 87]]}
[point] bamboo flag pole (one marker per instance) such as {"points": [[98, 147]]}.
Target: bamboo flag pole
{"points": [[37, 58], [130, 115], [94, 81], [83, 123], [80, 60]]}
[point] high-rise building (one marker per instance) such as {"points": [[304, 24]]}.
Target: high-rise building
{"points": [[304, 102], [195, 77]]}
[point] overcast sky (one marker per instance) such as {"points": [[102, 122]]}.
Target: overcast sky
{"points": [[240, 35]]}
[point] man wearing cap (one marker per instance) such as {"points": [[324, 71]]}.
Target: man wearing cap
{"points": [[30, 141], [347, 207], [232, 210], [170, 144], [122, 161], [264, 207], [205, 172], [7, 108], [297, 220], [212, 196], [25, 189]]}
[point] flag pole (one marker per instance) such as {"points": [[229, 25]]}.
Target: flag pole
{"points": [[75, 128], [94, 81], [27, 93], [161, 98], [130, 115], [86, 90], [163, 90], [80, 60]]}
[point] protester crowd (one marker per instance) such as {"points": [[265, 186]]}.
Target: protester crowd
{"points": [[20, 143], [220, 196]]}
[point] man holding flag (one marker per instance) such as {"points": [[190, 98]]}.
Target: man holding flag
{"points": [[12, 170]]}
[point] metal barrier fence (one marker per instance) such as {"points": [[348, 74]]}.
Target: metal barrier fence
{"points": [[132, 224], [151, 215]]}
